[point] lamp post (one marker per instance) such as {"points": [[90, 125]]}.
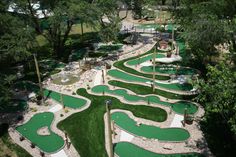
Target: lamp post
{"points": [[39, 78], [108, 103]]}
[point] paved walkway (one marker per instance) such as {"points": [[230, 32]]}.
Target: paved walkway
{"points": [[61, 153], [177, 121]]}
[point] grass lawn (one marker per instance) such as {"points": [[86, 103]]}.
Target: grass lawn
{"points": [[120, 65], [76, 29], [88, 134], [8, 148], [143, 90]]}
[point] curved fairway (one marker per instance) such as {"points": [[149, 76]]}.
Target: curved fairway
{"points": [[144, 59], [124, 149], [68, 101], [178, 107], [164, 134], [48, 143], [131, 78], [170, 70]]}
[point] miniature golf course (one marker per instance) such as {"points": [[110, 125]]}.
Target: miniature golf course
{"points": [[163, 134], [144, 59], [177, 107], [90, 142], [131, 78], [170, 70], [124, 149], [48, 142]]}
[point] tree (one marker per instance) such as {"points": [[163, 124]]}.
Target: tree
{"points": [[218, 93], [59, 16], [218, 97], [206, 24], [15, 37], [109, 19]]}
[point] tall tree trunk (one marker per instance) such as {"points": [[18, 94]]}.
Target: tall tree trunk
{"points": [[82, 30], [163, 2]]}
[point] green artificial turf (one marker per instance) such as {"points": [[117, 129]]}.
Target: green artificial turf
{"points": [[143, 90], [144, 59], [178, 107], [131, 78], [170, 70], [124, 149], [120, 65], [88, 134], [68, 101], [47, 143], [152, 132]]}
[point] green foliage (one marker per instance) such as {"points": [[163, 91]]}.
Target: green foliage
{"points": [[218, 93], [206, 24], [6, 142]]}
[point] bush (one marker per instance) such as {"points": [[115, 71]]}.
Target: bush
{"points": [[33, 109], [66, 110]]}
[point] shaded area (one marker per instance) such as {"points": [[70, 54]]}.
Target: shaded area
{"points": [[178, 107], [124, 149], [90, 123], [8, 148], [16, 106], [152, 132], [220, 138], [131, 78], [48, 143]]}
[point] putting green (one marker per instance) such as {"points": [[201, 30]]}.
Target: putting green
{"points": [[143, 59], [131, 78], [164, 134], [48, 142], [68, 101], [178, 107], [124, 149], [170, 70]]}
